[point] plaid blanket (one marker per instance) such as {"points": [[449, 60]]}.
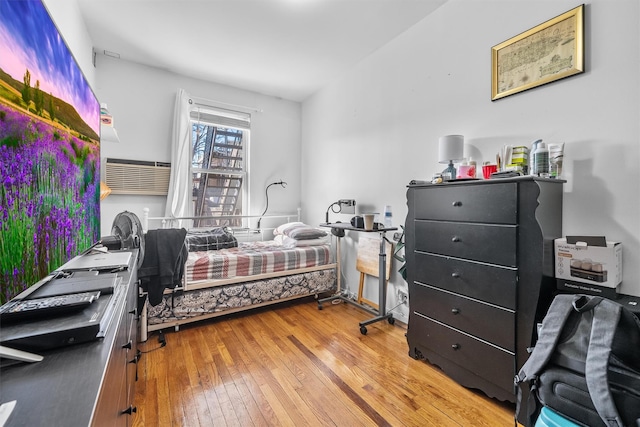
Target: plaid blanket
{"points": [[253, 258]]}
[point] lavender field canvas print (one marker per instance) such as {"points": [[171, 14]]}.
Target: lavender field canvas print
{"points": [[49, 150]]}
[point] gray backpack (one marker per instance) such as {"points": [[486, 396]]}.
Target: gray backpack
{"points": [[586, 363]]}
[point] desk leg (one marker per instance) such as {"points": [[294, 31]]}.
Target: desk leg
{"points": [[382, 289], [338, 295]]}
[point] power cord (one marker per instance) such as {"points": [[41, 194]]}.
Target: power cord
{"points": [[266, 193], [161, 340], [396, 306]]}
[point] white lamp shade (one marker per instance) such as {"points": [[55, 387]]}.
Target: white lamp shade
{"points": [[450, 148]]}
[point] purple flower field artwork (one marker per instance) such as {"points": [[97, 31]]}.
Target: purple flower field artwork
{"points": [[49, 150]]}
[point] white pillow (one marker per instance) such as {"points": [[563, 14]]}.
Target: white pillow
{"points": [[282, 228], [299, 231], [288, 242]]}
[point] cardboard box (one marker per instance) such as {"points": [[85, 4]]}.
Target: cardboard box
{"points": [[574, 287], [588, 260]]}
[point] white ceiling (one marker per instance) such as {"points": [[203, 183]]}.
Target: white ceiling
{"points": [[283, 48]]}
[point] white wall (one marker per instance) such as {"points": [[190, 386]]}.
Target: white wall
{"points": [[378, 125], [366, 135], [141, 100]]}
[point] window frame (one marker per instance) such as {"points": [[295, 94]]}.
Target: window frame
{"points": [[221, 119]]}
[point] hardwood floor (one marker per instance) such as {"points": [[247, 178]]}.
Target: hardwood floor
{"points": [[294, 365]]}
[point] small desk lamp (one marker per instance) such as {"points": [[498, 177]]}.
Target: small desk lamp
{"points": [[450, 149]]}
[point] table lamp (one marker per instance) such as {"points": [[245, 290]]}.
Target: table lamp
{"points": [[450, 149]]}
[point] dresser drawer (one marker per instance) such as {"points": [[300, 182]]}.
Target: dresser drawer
{"points": [[489, 283], [495, 244], [491, 363], [487, 322], [489, 203]]}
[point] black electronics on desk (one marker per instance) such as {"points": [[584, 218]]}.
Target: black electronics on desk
{"points": [[45, 334], [28, 310], [78, 281], [60, 310]]}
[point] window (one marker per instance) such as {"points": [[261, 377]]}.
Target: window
{"points": [[218, 166]]}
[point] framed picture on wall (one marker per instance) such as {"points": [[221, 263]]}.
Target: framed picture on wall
{"points": [[547, 52]]}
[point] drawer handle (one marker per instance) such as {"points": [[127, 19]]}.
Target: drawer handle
{"points": [[455, 275], [455, 239], [455, 310], [457, 203], [455, 346]]}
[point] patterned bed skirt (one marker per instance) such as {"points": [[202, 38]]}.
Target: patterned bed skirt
{"points": [[188, 306]]}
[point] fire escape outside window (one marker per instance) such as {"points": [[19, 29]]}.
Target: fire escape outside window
{"points": [[219, 147]]}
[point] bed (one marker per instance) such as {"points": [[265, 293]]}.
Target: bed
{"points": [[227, 271]]}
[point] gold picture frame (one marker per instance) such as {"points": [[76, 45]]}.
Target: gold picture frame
{"points": [[547, 52]]}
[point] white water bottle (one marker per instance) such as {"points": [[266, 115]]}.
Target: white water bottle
{"points": [[388, 218], [540, 161]]}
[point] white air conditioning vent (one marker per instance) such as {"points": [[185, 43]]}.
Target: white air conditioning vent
{"points": [[138, 177]]}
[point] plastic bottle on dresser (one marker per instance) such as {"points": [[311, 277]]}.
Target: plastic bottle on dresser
{"points": [[467, 169], [472, 168], [463, 169], [388, 218], [540, 160]]}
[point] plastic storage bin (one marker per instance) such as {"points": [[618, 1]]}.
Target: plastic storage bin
{"points": [[550, 418]]}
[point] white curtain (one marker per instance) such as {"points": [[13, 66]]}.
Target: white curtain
{"points": [[180, 186]]}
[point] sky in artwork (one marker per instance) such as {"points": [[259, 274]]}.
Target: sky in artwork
{"points": [[29, 40]]}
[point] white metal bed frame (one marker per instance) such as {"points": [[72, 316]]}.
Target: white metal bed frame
{"points": [[246, 233]]}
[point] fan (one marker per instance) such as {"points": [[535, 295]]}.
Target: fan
{"points": [[126, 233]]}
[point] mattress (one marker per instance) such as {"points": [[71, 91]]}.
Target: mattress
{"points": [[251, 259]]}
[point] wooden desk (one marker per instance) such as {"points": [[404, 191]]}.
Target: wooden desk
{"points": [[380, 314]]}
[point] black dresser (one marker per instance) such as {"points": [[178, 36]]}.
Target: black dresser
{"points": [[480, 272], [85, 384]]}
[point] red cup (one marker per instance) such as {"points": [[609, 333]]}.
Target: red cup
{"points": [[487, 170]]}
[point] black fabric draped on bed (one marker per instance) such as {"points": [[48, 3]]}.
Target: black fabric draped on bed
{"points": [[163, 264]]}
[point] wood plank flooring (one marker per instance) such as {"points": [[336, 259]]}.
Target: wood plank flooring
{"points": [[295, 365]]}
